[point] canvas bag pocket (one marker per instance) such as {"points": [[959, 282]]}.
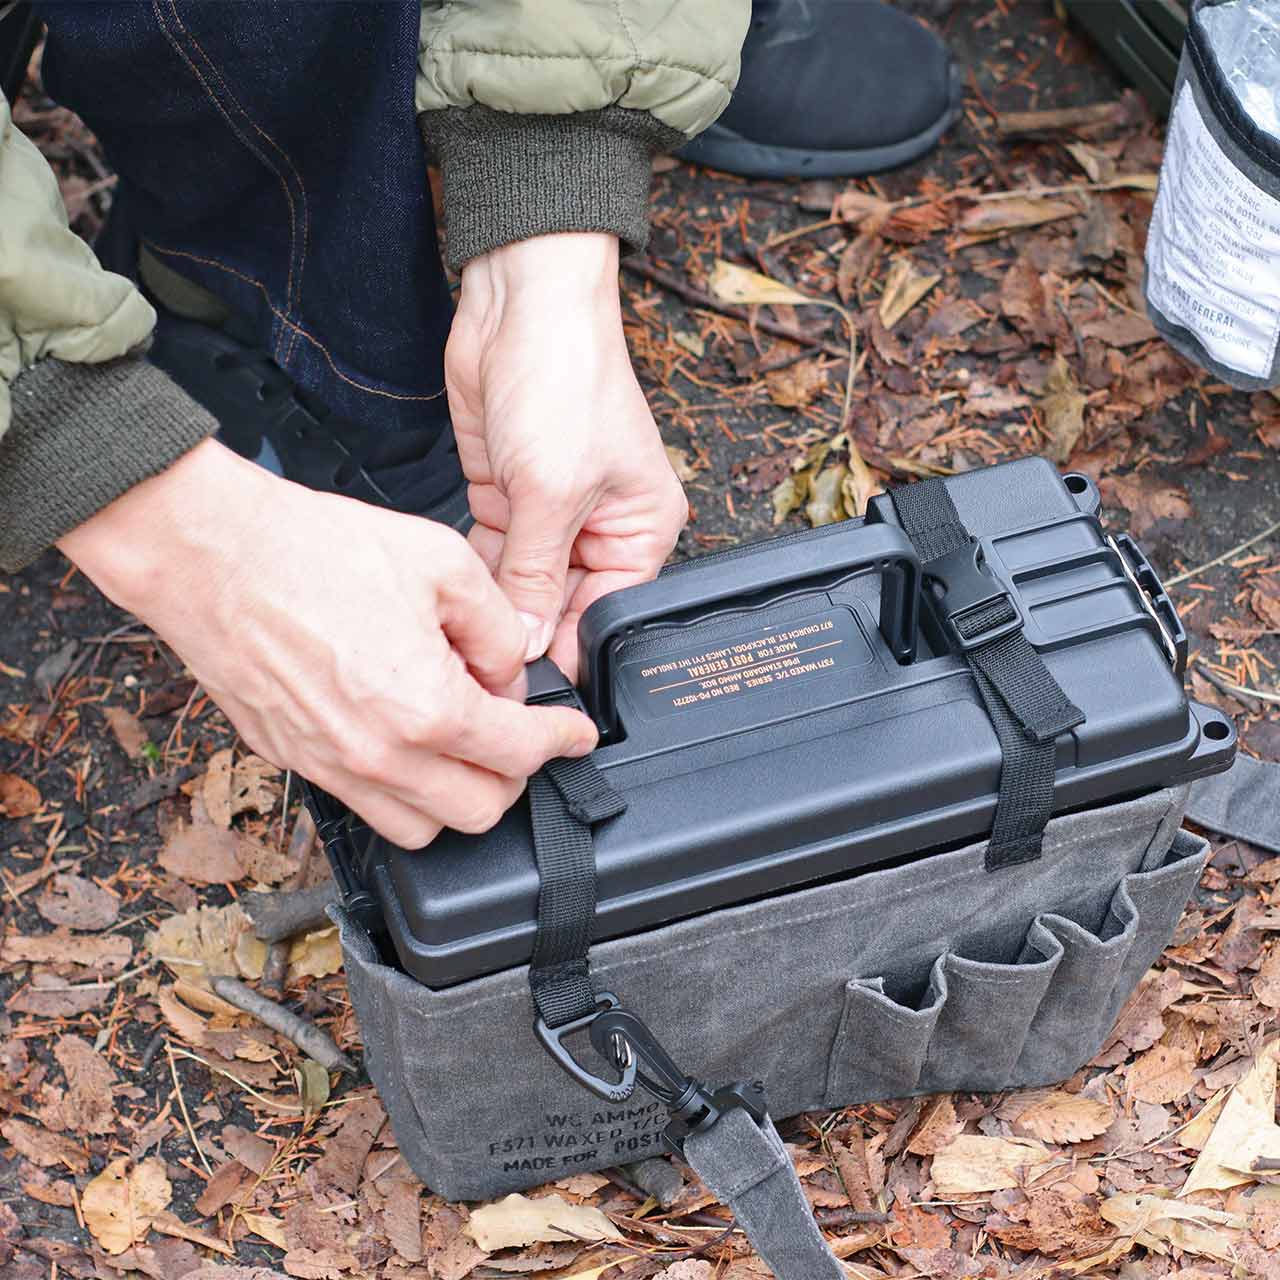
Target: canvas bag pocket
{"points": [[1213, 247], [809, 991]]}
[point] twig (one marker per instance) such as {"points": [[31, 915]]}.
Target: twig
{"points": [[186, 1115], [700, 299], [306, 1035], [161, 787], [1246, 700], [283, 914], [302, 842], [1226, 555]]}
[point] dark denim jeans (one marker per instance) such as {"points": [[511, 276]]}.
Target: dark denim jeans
{"points": [[269, 152]]}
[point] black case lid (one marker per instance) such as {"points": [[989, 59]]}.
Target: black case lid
{"points": [[768, 738]]}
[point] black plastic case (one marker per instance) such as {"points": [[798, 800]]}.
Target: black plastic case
{"points": [[779, 714]]}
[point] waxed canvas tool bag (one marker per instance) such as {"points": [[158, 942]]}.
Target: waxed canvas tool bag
{"points": [[1213, 246], [881, 809]]}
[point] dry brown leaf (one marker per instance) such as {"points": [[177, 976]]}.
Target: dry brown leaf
{"points": [[44, 1148], [732, 283], [203, 853], [88, 1106], [1064, 1117], [518, 1221], [1119, 329], [208, 940], [680, 464], [126, 730], [860, 255], [1146, 499], [215, 788], [264, 1225], [826, 496], [990, 217], [315, 955], [105, 955], [18, 797], [974, 1162], [854, 206], [798, 385], [221, 1188], [1158, 1224], [1162, 1074], [938, 1128], [254, 786], [1063, 408], [77, 903], [903, 288], [1247, 1118], [1266, 986], [120, 1203]]}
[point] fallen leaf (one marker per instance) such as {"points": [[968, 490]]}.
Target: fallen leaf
{"points": [[105, 955], [1119, 329], [215, 788], [1063, 409], [208, 940], [854, 206], [18, 797], [680, 464], [1064, 1117], [1266, 986], [690, 342], [1159, 1224], [517, 1221], [77, 903], [826, 496], [315, 955], [88, 1106], [1097, 164], [938, 1128], [732, 283], [797, 385], [254, 786], [860, 255], [903, 288], [221, 1188], [1147, 499], [126, 730], [990, 217], [120, 1203], [44, 1148], [264, 1225], [202, 852], [1162, 1074], [977, 1163], [1247, 1116]]}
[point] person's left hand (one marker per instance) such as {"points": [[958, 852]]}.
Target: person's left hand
{"points": [[571, 487]]}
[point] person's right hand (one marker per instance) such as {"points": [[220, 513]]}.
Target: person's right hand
{"points": [[370, 652]]}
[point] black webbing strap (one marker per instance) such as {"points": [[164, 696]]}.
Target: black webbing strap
{"points": [[566, 799], [1027, 706]]}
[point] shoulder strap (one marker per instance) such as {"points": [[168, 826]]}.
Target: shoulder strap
{"points": [[1026, 704], [724, 1134]]}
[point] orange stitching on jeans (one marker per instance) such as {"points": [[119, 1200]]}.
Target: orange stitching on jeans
{"points": [[284, 319], [222, 111], [295, 296]]}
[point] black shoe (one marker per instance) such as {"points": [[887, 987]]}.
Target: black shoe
{"points": [[263, 415], [832, 88]]}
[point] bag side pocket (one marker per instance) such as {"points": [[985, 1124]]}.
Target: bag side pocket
{"points": [[985, 1021], [881, 1043]]}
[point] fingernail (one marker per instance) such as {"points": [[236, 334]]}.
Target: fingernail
{"points": [[540, 633], [580, 749]]}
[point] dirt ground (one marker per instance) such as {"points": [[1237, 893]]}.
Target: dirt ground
{"points": [[121, 784]]}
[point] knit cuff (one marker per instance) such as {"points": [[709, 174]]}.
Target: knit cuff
{"points": [[80, 436], [509, 177]]}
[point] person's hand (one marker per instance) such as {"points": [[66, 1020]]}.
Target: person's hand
{"points": [[368, 651], [571, 487]]}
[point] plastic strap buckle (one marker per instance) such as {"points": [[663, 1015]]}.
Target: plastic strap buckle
{"points": [[963, 586]]}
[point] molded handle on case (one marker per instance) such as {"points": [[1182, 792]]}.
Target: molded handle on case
{"points": [[749, 571]]}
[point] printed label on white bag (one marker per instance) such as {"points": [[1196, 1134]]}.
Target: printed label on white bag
{"points": [[1213, 250]]}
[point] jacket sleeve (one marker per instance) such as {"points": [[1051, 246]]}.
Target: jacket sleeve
{"points": [[82, 416], [544, 115]]}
